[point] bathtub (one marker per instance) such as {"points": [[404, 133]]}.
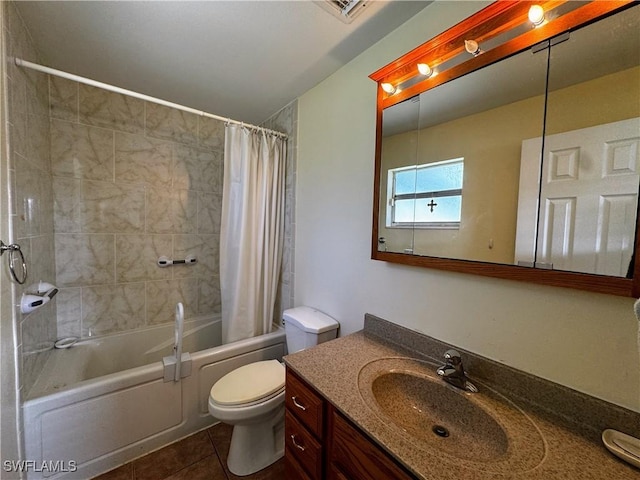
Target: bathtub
{"points": [[104, 402]]}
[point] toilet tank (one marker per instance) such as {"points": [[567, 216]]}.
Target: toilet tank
{"points": [[306, 327]]}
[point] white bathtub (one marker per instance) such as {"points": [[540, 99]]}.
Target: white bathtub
{"points": [[104, 402]]}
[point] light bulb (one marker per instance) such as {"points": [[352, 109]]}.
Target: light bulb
{"points": [[472, 47], [425, 69], [536, 15], [387, 87]]}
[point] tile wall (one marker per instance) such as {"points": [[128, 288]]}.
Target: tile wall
{"points": [[31, 196], [286, 121], [132, 181]]}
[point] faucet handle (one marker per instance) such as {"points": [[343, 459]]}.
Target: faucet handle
{"points": [[453, 357]]}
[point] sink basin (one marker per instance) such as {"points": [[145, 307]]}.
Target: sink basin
{"points": [[436, 414], [481, 430]]}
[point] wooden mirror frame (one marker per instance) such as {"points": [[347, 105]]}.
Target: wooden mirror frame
{"points": [[496, 18]]}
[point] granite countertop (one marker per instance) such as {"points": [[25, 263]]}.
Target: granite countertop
{"points": [[563, 426]]}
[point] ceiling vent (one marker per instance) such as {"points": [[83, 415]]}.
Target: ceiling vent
{"points": [[345, 10]]}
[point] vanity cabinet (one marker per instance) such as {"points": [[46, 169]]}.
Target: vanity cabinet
{"points": [[321, 443]]}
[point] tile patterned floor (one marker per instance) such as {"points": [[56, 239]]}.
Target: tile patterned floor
{"points": [[202, 456]]}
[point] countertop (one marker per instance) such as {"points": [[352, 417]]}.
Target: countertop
{"points": [[563, 447]]}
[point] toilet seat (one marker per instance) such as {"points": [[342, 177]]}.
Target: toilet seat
{"points": [[250, 384]]}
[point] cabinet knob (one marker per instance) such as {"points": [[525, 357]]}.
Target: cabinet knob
{"points": [[294, 399]]}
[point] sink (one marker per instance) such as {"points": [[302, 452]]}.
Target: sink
{"points": [[481, 430], [432, 412]]}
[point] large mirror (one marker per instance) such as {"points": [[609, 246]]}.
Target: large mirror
{"points": [[530, 162]]}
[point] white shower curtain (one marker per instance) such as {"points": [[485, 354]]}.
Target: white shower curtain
{"points": [[251, 231]]}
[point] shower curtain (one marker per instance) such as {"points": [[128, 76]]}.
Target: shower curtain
{"points": [[251, 231]]}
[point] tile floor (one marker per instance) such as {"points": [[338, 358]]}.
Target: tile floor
{"points": [[201, 456]]}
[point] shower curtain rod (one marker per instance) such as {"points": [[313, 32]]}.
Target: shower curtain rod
{"points": [[87, 81]]}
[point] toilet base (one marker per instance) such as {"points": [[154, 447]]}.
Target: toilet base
{"points": [[256, 446]]}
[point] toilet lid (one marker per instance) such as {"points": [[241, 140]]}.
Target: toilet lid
{"points": [[249, 383]]}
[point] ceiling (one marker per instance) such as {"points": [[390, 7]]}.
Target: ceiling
{"points": [[241, 59]]}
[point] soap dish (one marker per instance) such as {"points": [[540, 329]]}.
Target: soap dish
{"points": [[623, 446]]}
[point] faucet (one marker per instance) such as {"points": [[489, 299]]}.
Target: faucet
{"points": [[453, 371]]}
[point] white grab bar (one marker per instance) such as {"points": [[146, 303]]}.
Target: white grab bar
{"points": [[177, 348]]}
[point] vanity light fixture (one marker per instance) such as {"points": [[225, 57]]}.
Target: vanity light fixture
{"points": [[472, 47], [387, 87], [426, 70], [536, 15]]}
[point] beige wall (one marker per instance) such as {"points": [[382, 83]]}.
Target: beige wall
{"points": [[564, 335]]}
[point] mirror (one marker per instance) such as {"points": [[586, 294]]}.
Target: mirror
{"points": [[480, 121], [531, 161]]}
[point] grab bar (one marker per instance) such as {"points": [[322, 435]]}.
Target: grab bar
{"points": [[177, 349], [178, 365]]}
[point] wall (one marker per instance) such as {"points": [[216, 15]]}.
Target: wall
{"points": [[564, 335], [27, 213], [286, 121], [132, 181]]}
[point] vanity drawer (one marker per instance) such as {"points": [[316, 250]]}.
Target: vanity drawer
{"points": [[302, 447], [305, 404]]}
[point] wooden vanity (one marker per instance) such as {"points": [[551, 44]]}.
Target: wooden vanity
{"points": [[322, 443], [331, 432]]}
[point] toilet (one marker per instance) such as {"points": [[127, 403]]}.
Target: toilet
{"points": [[251, 397]]}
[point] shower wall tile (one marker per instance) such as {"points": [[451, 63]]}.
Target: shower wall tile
{"points": [[171, 124], [197, 169], [42, 259], [209, 300], [112, 208], [206, 250], [67, 205], [34, 200], [211, 133], [29, 191], [37, 86], [131, 181], [171, 211], [69, 308], [106, 109], [112, 308], [142, 160], [209, 212], [137, 257], [163, 296], [81, 151], [63, 99], [38, 141], [83, 259], [18, 135], [286, 121]]}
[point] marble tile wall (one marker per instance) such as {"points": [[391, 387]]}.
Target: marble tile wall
{"points": [[30, 191], [286, 120], [132, 181]]}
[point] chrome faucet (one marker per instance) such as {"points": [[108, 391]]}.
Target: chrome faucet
{"points": [[453, 371]]}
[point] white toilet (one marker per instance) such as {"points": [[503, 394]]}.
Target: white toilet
{"points": [[251, 397]]}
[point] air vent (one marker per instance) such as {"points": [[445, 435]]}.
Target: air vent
{"points": [[345, 10]]}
